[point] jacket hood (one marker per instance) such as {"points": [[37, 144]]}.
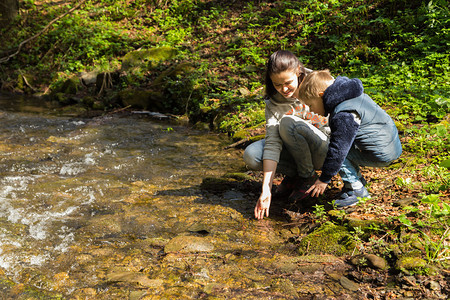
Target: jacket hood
{"points": [[342, 89]]}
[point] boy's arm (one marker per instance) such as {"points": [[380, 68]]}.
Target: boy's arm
{"points": [[343, 133]]}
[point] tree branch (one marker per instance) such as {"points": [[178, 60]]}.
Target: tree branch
{"points": [[7, 58]]}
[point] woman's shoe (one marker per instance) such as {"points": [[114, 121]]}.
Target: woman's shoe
{"points": [[286, 186], [301, 186]]}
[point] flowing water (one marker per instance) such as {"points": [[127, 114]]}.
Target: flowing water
{"points": [[113, 208]]}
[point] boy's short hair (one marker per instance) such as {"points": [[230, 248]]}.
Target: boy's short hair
{"points": [[315, 83]]}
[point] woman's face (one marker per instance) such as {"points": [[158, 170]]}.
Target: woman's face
{"points": [[286, 83]]}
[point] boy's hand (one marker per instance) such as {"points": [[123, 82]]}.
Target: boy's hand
{"points": [[263, 205], [317, 189]]}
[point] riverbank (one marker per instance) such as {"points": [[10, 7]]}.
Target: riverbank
{"points": [[201, 64]]}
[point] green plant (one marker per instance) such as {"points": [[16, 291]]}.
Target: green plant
{"points": [[320, 215], [433, 224]]}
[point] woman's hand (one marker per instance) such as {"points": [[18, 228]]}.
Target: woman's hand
{"points": [[317, 189], [263, 204]]}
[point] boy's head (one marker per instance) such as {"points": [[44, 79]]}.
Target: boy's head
{"points": [[314, 85]]}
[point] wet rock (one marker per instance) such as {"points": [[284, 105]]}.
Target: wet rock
{"points": [[238, 176], [199, 228], [136, 295], [233, 195], [217, 184], [102, 226], [404, 202], [305, 263], [434, 285], [188, 244], [328, 238], [142, 99], [133, 277], [285, 286], [370, 260], [363, 224], [70, 86], [88, 78], [349, 284], [212, 288]]}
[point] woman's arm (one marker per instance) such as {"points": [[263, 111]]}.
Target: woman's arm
{"points": [[263, 204]]}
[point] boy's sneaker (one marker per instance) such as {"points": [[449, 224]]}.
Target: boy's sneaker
{"points": [[348, 189], [351, 197]]}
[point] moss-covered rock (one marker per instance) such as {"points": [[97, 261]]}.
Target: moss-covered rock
{"points": [[147, 58], [214, 184], [70, 86], [142, 99], [172, 73], [328, 238], [411, 264], [238, 176]]}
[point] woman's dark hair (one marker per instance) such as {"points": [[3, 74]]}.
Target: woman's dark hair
{"points": [[280, 61]]}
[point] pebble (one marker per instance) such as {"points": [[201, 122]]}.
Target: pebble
{"points": [[349, 284]]}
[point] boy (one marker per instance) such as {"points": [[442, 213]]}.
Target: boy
{"points": [[362, 133]]}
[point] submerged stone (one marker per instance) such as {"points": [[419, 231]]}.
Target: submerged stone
{"points": [[285, 286], [188, 244], [133, 277]]}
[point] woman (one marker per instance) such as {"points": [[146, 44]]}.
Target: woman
{"points": [[296, 140]]}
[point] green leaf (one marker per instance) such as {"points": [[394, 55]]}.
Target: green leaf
{"points": [[404, 220], [445, 163], [432, 199]]}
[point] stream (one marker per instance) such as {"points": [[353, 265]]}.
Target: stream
{"points": [[113, 208]]}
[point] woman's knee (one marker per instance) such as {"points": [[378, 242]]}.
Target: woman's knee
{"points": [[294, 130], [253, 155]]}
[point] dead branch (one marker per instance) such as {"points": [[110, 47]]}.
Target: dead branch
{"points": [[238, 143], [7, 58]]}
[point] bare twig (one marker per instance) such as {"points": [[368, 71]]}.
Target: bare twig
{"points": [[240, 142], [28, 84], [7, 58]]}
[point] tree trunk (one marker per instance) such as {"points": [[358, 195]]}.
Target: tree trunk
{"points": [[8, 11]]}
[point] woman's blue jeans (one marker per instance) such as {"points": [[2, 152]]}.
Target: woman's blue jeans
{"points": [[304, 149]]}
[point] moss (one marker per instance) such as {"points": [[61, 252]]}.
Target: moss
{"points": [[147, 58], [238, 176], [71, 85], [217, 184], [330, 239], [180, 69], [412, 264]]}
